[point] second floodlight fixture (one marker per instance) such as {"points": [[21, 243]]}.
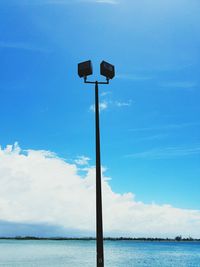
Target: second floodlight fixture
{"points": [[106, 69]]}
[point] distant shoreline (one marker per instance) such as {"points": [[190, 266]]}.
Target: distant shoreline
{"points": [[176, 239]]}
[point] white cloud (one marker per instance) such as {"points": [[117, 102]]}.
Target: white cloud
{"points": [[102, 106], [107, 104], [82, 160], [39, 187], [123, 104]]}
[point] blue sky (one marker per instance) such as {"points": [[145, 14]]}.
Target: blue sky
{"points": [[150, 124]]}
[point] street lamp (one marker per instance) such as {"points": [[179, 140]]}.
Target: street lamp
{"points": [[107, 70], [85, 68]]}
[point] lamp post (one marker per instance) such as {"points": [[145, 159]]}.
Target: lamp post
{"points": [[107, 70]]}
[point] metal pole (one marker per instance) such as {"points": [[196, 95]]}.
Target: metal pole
{"points": [[99, 220]]}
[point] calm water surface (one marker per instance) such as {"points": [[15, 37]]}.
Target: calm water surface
{"points": [[82, 254]]}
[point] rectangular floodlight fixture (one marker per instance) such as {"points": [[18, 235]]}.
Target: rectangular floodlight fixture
{"points": [[107, 70], [85, 68]]}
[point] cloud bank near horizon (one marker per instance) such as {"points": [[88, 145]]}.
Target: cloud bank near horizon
{"points": [[39, 188]]}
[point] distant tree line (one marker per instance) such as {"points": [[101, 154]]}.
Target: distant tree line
{"points": [[176, 239]]}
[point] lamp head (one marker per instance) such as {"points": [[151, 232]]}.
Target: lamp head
{"points": [[85, 68], [107, 70]]}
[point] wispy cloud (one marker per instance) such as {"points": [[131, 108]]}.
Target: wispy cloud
{"points": [[166, 127], [112, 2], [153, 137], [167, 152], [62, 2], [179, 84], [133, 77], [164, 67], [23, 46]]}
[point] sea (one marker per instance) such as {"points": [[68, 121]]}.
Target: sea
{"points": [[35, 253]]}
